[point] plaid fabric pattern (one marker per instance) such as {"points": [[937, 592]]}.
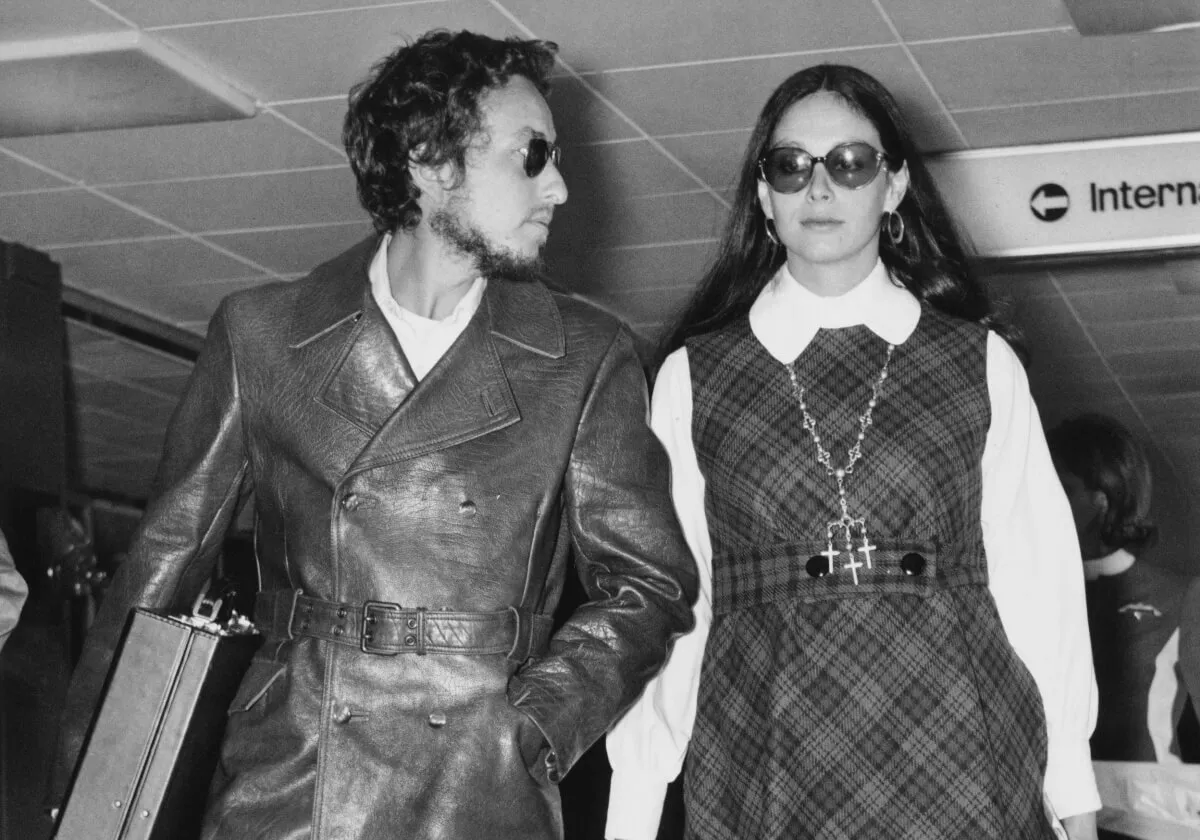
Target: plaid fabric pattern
{"points": [[892, 709]]}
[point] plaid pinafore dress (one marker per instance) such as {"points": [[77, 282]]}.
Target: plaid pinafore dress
{"points": [[892, 709]]}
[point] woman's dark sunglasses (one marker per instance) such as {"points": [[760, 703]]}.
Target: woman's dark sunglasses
{"points": [[788, 169], [538, 153]]}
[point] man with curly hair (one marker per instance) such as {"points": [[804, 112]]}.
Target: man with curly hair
{"points": [[432, 438]]}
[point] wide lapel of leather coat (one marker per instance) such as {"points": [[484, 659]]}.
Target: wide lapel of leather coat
{"points": [[467, 393], [362, 374]]}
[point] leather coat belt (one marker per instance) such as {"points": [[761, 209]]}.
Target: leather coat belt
{"points": [[387, 629]]}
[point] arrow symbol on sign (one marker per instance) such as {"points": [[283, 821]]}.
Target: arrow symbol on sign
{"points": [[1042, 202]]}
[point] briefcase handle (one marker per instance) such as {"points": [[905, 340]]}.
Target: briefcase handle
{"points": [[215, 601]]}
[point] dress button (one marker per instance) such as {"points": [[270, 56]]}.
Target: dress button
{"points": [[912, 563], [351, 501], [343, 715], [817, 566], [467, 508], [437, 720]]}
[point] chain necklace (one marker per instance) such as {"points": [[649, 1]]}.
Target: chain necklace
{"points": [[847, 525]]}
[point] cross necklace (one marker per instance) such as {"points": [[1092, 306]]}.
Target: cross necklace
{"points": [[846, 526]]}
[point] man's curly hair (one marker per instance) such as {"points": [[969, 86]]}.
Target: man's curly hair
{"points": [[421, 105]]}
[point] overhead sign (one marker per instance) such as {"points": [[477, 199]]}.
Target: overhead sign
{"points": [[1130, 194]]}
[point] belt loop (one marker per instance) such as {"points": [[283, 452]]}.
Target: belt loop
{"points": [[522, 635], [421, 631], [292, 612]]}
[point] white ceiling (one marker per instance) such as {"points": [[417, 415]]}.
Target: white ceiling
{"points": [[655, 100]]}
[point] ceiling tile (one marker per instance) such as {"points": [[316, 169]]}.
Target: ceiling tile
{"points": [[131, 400], [1176, 382], [630, 170], [1175, 406], [580, 116], [15, 175], [921, 19], [1178, 334], [729, 95], [637, 33], [295, 250], [124, 359], [1137, 304], [52, 18], [1041, 67], [1012, 287], [322, 55], [646, 306], [609, 220], [149, 13], [1048, 325], [1143, 362], [177, 151], [115, 269], [1093, 119], [41, 219], [323, 117], [716, 157], [613, 273], [1124, 275], [187, 302], [239, 202]]}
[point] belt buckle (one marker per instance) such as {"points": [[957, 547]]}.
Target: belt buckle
{"points": [[364, 634]]}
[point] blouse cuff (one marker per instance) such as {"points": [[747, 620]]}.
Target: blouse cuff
{"points": [[634, 807], [1070, 781]]}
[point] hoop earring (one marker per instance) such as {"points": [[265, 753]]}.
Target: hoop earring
{"points": [[893, 225], [769, 227]]}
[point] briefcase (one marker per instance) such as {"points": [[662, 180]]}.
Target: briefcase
{"points": [[150, 755]]}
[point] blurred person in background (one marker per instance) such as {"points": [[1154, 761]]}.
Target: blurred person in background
{"points": [[1133, 607]]}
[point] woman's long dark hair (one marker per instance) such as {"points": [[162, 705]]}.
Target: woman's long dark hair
{"points": [[930, 261]]}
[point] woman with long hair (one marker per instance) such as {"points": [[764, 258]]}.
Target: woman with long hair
{"points": [[891, 638]]}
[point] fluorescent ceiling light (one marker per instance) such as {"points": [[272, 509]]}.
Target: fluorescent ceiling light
{"points": [[110, 80], [1124, 17]]}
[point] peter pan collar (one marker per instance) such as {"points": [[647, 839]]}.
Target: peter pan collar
{"points": [[786, 316]]}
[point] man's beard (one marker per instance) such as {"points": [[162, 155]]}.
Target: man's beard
{"points": [[490, 261]]}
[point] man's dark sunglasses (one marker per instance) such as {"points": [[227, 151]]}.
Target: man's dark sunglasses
{"points": [[788, 169], [538, 153]]}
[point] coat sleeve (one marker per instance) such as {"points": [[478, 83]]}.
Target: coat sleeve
{"points": [[631, 556], [201, 481]]}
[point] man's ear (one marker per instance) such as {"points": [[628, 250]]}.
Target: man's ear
{"points": [[429, 179]]}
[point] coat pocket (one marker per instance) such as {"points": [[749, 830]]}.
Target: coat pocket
{"points": [[259, 679]]}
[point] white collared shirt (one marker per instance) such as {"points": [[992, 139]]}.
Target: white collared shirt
{"points": [[423, 340], [1034, 565]]}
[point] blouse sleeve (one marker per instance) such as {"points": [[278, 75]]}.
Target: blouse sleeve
{"points": [[1036, 577], [647, 746]]}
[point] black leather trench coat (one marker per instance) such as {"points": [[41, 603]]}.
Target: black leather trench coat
{"points": [[462, 492]]}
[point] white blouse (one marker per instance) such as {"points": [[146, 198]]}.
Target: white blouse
{"points": [[1034, 565]]}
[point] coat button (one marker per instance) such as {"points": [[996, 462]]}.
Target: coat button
{"points": [[437, 720], [351, 501], [411, 624], [343, 715], [467, 508], [912, 563], [410, 640], [817, 566]]}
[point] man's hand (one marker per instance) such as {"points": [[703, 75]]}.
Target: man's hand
{"points": [[1081, 826]]}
